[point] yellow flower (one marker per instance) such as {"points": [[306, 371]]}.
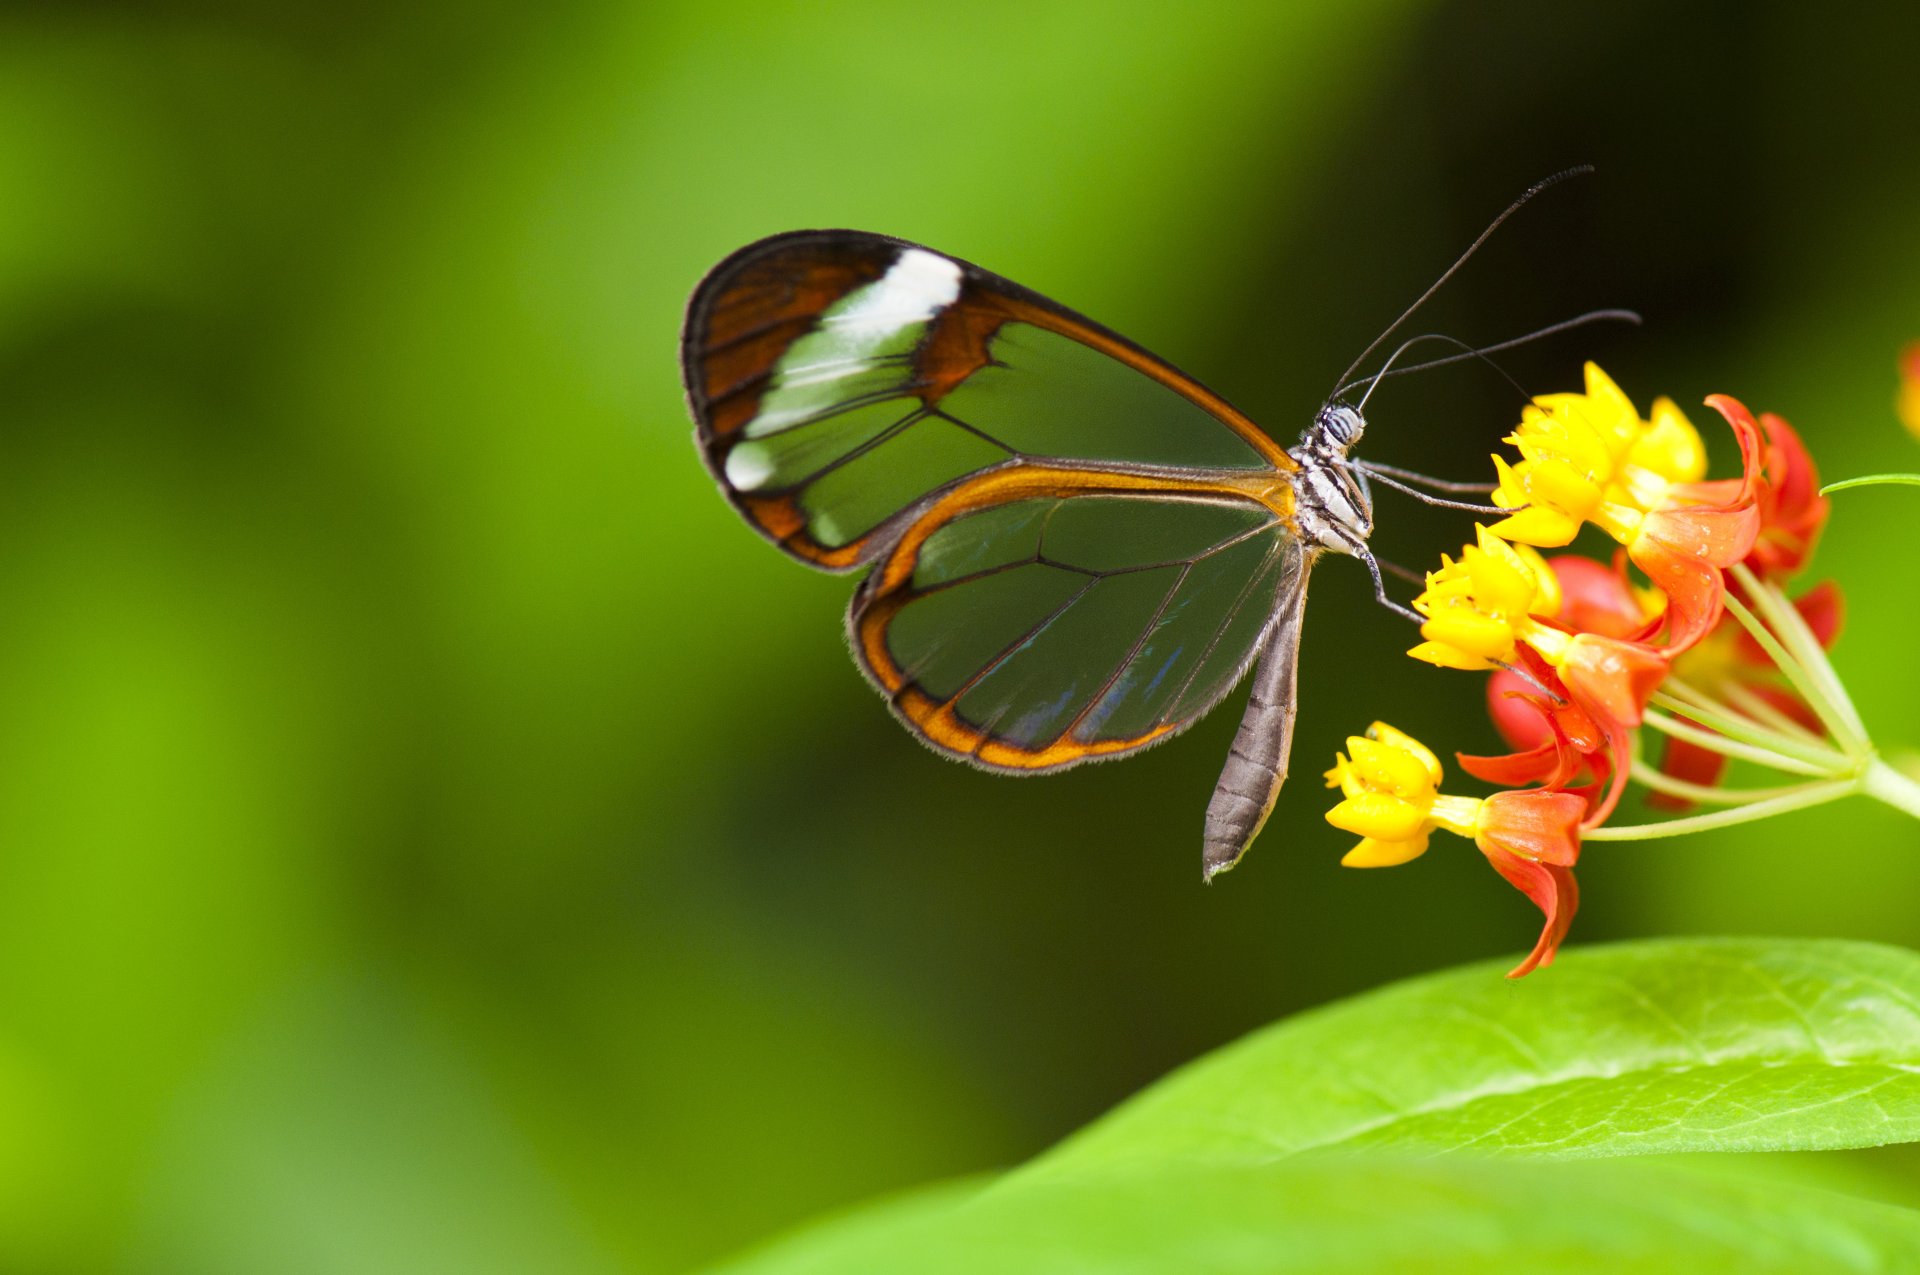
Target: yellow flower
{"points": [[1604, 407], [1390, 783], [1479, 607], [1669, 446]]}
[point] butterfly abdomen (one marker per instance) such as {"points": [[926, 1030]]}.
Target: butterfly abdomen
{"points": [[1257, 763]]}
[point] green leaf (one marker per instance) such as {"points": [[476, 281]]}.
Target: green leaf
{"points": [[1701, 1045], [1871, 480], [1355, 1214]]}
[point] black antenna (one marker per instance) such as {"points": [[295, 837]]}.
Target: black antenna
{"points": [[1474, 352], [1461, 260], [1387, 369]]}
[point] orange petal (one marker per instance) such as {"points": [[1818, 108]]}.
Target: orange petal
{"points": [[1612, 679], [1792, 510], [1747, 432], [1535, 824], [1682, 551]]}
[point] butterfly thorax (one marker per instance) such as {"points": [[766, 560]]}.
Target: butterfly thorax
{"points": [[1332, 508]]}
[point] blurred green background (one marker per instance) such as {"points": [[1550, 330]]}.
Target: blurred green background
{"points": [[435, 834]]}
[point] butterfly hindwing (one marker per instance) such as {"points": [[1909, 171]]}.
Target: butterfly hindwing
{"points": [[842, 381], [1031, 622]]}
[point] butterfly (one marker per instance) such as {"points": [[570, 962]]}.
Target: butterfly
{"points": [[1074, 550]]}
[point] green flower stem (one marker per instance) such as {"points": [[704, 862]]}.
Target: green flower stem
{"points": [[1807, 660], [1902, 792], [1796, 799], [1826, 760], [1746, 752], [1706, 794], [1873, 480], [1760, 710], [1802, 678], [1801, 639], [1739, 701]]}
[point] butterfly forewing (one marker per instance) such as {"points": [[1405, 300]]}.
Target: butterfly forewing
{"points": [[841, 380]]}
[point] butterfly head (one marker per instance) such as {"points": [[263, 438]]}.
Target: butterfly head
{"points": [[1336, 428]]}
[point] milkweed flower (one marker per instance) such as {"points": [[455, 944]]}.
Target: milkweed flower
{"points": [[1594, 598], [1484, 606], [1391, 799], [1480, 607]]}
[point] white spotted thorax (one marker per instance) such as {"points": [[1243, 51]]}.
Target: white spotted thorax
{"points": [[1334, 509]]}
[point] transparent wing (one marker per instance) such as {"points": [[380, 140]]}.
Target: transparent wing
{"points": [[841, 381], [1036, 620]]}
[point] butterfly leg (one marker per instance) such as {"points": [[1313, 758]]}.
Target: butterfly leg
{"points": [[1478, 488], [1437, 502], [1380, 587]]}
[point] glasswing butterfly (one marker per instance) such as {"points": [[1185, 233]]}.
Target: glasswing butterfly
{"points": [[1075, 550]]}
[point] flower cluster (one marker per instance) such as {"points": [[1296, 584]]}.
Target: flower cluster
{"points": [[1686, 632]]}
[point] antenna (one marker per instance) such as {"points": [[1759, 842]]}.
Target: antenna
{"points": [[1552, 329], [1387, 369], [1461, 260]]}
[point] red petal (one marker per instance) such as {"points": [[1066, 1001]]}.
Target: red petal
{"points": [[1553, 737], [1792, 510], [1686, 760], [1611, 681], [1595, 598], [1543, 765], [1619, 759], [1823, 609], [1793, 706], [1516, 711], [1574, 724], [1552, 889], [1744, 429]]}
